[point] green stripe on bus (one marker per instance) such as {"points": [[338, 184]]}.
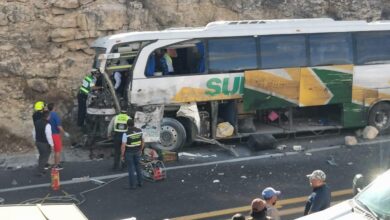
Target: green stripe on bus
{"points": [[119, 67], [258, 100], [339, 84]]}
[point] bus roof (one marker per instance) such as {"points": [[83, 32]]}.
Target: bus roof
{"points": [[245, 28]]}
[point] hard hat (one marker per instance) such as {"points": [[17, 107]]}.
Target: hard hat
{"points": [[39, 106]]}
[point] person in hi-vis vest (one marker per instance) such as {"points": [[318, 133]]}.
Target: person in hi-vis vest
{"points": [[131, 150], [118, 126]]}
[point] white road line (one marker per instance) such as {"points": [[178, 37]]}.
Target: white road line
{"points": [[81, 180]]}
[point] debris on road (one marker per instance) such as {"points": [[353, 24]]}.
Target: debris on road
{"points": [[308, 154], [370, 132], [350, 163], [350, 140], [332, 161], [298, 148], [216, 181], [281, 147], [221, 174], [242, 167], [243, 177]]}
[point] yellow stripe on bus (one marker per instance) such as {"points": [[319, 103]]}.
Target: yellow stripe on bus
{"points": [[312, 91]]}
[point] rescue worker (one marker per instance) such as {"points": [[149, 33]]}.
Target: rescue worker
{"points": [[43, 139], [39, 106], [131, 150], [87, 86], [118, 125]]}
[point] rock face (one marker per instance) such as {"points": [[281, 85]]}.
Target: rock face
{"points": [[44, 43]]}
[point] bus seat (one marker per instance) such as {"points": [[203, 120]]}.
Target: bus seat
{"points": [[151, 65]]}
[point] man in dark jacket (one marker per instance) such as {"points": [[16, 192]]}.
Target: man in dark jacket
{"points": [[319, 199], [43, 139]]}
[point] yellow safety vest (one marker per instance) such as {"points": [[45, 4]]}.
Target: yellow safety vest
{"points": [[120, 123]]}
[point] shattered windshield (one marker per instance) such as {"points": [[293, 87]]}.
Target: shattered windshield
{"points": [[128, 54], [377, 196]]}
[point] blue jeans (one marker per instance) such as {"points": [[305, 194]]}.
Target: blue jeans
{"points": [[133, 164]]}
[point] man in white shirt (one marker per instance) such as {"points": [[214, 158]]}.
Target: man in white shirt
{"points": [[44, 141]]}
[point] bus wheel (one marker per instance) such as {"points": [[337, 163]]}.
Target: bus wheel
{"points": [[379, 116], [172, 135]]}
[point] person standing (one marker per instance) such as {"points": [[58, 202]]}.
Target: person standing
{"points": [[86, 87], [131, 150], [167, 63], [270, 195], [320, 198], [258, 210], [118, 83], [43, 139], [57, 130], [39, 106], [118, 125]]}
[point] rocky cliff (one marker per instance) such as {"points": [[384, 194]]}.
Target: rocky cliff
{"points": [[45, 51]]}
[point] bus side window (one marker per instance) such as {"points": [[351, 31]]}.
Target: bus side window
{"points": [[373, 47], [179, 59]]}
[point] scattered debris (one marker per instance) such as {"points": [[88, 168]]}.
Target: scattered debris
{"points": [[242, 167], [350, 163], [332, 161], [98, 182], [370, 132], [297, 148], [81, 179], [215, 181], [350, 140], [182, 181], [281, 147], [221, 174], [243, 177], [308, 154]]}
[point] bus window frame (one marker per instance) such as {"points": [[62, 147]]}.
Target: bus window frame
{"points": [[232, 71], [351, 44], [129, 84], [356, 45], [283, 67], [188, 74]]}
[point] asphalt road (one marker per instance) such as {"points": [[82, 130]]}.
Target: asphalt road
{"points": [[207, 183]]}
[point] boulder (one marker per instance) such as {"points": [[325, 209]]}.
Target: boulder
{"points": [[370, 132], [350, 140]]}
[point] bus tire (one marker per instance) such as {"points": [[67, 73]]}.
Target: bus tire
{"points": [[191, 130], [379, 116], [172, 135]]}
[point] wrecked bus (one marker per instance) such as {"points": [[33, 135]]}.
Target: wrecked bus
{"points": [[260, 76]]}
